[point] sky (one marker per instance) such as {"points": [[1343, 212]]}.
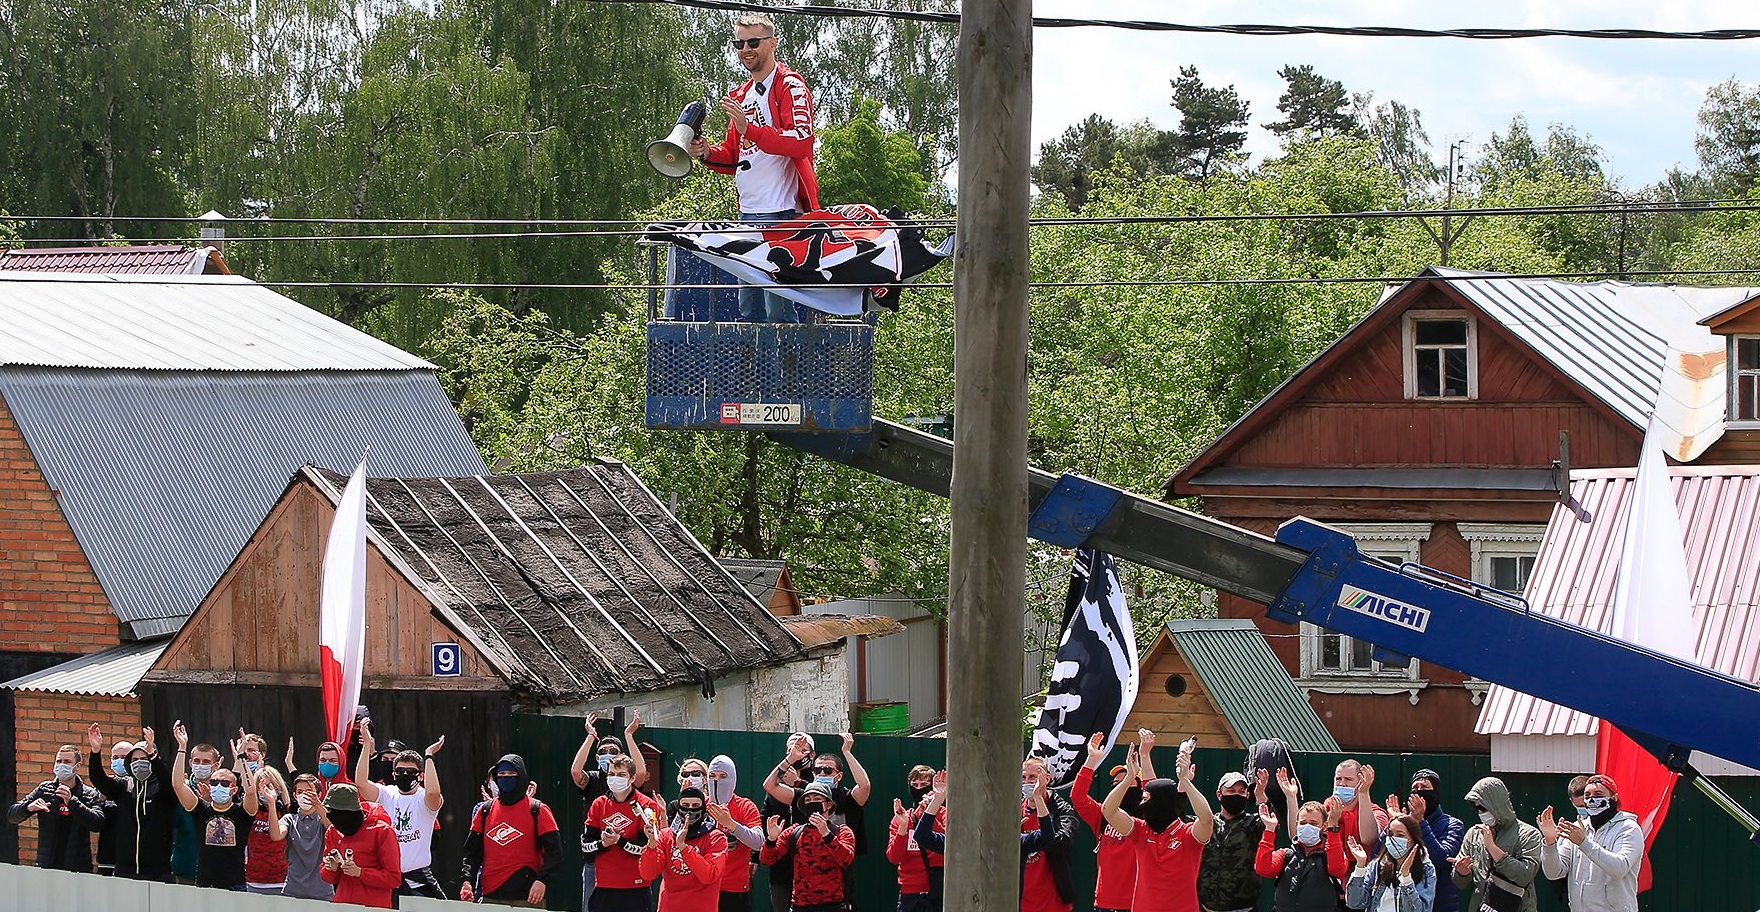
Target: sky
{"points": [[1638, 100]]}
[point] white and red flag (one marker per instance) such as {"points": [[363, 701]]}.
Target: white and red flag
{"points": [[342, 608], [1653, 608]]}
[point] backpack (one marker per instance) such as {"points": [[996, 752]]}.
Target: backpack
{"points": [[1271, 755]]}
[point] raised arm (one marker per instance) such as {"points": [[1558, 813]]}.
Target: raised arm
{"points": [[1145, 754], [1290, 788], [1113, 808], [180, 781], [925, 830], [859, 776], [431, 775], [1206, 823], [578, 769], [635, 750], [1368, 812], [773, 785], [369, 746]]}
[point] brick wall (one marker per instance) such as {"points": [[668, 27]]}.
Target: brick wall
{"points": [[50, 600], [45, 721]]}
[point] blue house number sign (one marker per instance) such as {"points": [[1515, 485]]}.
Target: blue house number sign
{"points": [[448, 661]]}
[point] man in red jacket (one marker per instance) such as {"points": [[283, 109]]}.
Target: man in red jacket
{"points": [[768, 148], [821, 852], [361, 858]]}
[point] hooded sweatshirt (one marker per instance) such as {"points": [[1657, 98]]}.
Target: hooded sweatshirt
{"points": [[1519, 841], [736, 869], [146, 815], [525, 844], [688, 862], [1602, 873]]}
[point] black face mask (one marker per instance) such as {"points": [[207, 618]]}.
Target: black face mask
{"points": [[1431, 804], [348, 822], [405, 779], [917, 793], [509, 790], [1233, 804]]}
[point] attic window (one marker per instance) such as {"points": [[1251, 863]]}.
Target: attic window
{"points": [[1441, 355], [1745, 401]]}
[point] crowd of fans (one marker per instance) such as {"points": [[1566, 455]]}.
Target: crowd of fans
{"points": [[233, 821]]}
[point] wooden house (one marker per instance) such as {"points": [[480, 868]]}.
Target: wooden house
{"points": [[1439, 429]]}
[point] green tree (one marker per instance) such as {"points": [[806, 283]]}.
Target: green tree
{"points": [[1212, 127], [1729, 137], [95, 111], [1312, 104], [1400, 142], [860, 162], [1067, 165]]}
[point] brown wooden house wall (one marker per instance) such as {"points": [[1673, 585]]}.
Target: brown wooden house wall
{"points": [[259, 625], [1191, 713]]}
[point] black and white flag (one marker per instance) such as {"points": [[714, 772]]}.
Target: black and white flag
{"points": [[1094, 679]]}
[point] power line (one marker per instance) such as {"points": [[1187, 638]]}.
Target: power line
{"points": [[97, 279], [643, 226], [1258, 31]]}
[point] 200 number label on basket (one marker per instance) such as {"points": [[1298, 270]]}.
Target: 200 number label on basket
{"points": [[761, 413]]}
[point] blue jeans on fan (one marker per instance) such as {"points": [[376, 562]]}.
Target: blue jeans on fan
{"points": [[755, 304]]}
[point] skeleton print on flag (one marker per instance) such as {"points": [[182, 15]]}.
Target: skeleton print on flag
{"points": [[1094, 679], [868, 255]]}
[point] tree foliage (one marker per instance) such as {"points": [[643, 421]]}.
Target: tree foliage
{"points": [[861, 162], [1729, 137], [1312, 105], [1067, 165], [1212, 124]]}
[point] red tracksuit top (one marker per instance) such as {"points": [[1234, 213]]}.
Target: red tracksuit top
{"points": [[1116, 883], [689, 871]]}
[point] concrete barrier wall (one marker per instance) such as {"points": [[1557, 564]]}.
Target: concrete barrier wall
{"points": [[33, 890]]}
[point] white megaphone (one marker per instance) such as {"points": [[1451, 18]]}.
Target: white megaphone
{"points": [[672, 156]]}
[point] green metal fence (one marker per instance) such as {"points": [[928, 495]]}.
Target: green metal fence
{"points": [[1702, 861]]}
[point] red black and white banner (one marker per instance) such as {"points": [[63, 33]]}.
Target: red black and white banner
{"points": [[1094, 678]]}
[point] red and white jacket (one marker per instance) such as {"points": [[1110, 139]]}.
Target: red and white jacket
{"points": [[791, 113]]}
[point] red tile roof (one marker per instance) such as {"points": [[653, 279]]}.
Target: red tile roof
{"points": [[1574, 577], [143, 260]]}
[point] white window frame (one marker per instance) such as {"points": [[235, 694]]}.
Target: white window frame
{"points": [[1409, 351], [1396, 542], [1736, 376]]}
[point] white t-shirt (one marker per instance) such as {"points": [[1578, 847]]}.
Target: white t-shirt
{"points": [[770, 183], [413, 822]]}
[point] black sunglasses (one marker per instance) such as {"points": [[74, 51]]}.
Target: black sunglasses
{"points": [[825, 770], [749, 42]]}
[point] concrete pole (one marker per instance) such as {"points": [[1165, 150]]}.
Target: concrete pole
{"points": [[989, 498]]}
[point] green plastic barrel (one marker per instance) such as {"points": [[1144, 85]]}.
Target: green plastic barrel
{"points": [[884, 718]]}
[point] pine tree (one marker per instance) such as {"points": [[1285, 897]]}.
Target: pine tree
{"points": [[1212, 127], [1312, 105]]}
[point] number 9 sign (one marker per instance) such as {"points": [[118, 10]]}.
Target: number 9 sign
{"points": [[448, 660]]}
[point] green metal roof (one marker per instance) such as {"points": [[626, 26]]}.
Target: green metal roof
{"points": [[1249, 684]]}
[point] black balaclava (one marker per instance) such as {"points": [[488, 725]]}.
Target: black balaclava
{"points": [[518, 767], [1434, 782], [1160, 805], [347, 822], [691, 825]]}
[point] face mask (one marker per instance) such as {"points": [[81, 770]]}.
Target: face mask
{"points": [[690, 818], [119, 766], [328, 770], [305, 802], [1595, 805], [693, 781], [201, 771], [617, 784], [1307, 834], [379, 771], [917, 793], [1488, 818], [1397, 846], [509, 789], [250, 766], [827, 781], [1233, 804], [818, 807], [348, 822], [1344, 793], [64, 771], [406, 779], [604, 762], [219, 794], [1027, 790], [140, 769], [1582, 813]]}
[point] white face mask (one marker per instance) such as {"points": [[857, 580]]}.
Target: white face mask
{"points": [[1488, 818], [617, 784], [692, 780]]}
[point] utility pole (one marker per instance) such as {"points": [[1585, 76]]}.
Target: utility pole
{"points": [[988, 502], [1449, 234]]}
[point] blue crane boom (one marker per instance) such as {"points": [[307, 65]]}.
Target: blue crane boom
{"points": [[1314, 573]]}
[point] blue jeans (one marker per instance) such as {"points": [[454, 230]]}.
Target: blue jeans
{"points": [[755, 304], [589, 872]]}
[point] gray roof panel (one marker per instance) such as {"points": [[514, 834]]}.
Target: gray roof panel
{"points": [[1249, 684], [200, 322], [111, 673], [164, 475]]}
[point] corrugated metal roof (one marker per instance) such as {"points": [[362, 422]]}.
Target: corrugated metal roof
{"points": [[579, 582], [135, 260], [815, 630], [1575, 572], [1635, 347], [1249, 684], [210, 322], [164, 475], [111, 673]]}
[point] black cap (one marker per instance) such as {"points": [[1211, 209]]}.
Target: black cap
{"points": [[1427, 775]]}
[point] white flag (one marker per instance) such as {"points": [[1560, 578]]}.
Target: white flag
{"points": [[342, 608], [1652, 598]]}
